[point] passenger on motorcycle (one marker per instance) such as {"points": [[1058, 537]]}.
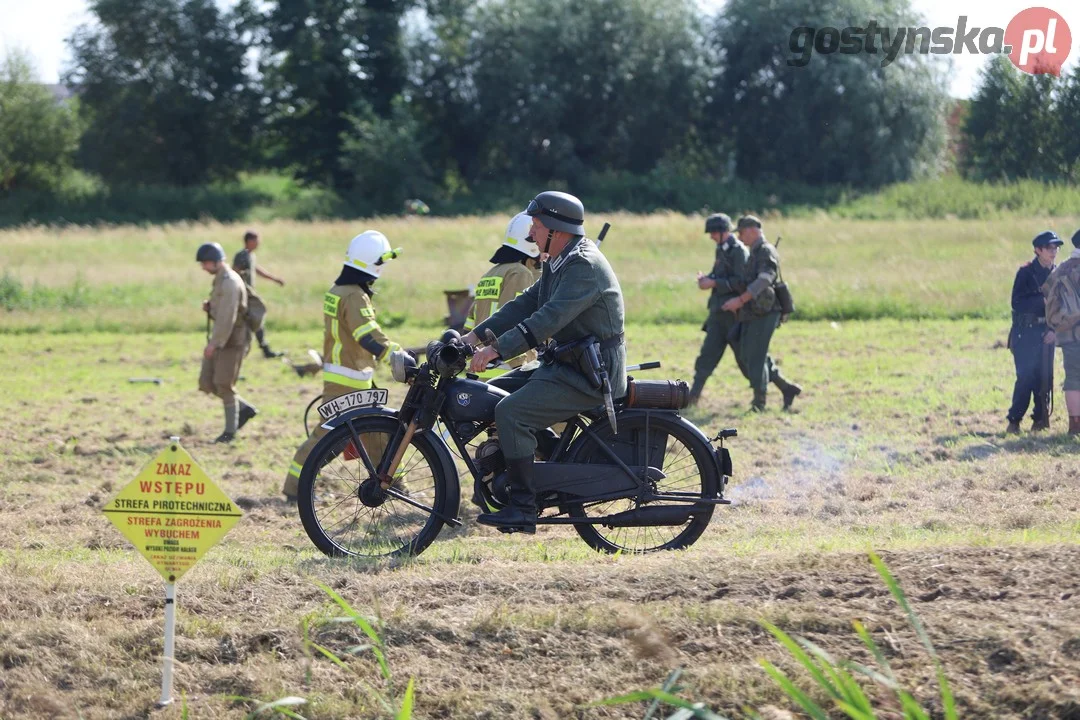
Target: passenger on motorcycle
{"points": [[577, 296]]}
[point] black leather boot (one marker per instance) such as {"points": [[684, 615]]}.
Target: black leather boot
{"points": [[789, 390], [520, 514], [758, 405]]}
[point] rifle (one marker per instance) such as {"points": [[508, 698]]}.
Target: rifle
{"points": [[603, 234], [783, 295], [1046, 382]]}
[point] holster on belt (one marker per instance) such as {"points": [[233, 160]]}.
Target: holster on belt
{"points": [[584, 356]]}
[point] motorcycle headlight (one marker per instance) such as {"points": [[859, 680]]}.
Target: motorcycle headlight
{"points": [[400, 364]]}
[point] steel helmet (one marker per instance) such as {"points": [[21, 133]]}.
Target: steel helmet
{"points": [[209, 251], [558, 211], [517, 236], [717, 222], [368, 251]]}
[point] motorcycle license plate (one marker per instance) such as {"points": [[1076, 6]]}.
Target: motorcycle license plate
{"points": [[375, 397]]}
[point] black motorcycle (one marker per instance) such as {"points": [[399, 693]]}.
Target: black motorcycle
{"points": [[383, 482]]}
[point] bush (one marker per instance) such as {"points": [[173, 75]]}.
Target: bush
{"points": [[38, 136]]}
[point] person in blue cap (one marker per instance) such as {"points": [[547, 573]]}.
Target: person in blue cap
{"points": [[1029, 335]]}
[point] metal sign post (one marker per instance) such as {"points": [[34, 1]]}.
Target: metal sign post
{"points": [[170, 636], [173, 513]]}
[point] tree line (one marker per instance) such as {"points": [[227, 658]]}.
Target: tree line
{"points": [[381, 100]]}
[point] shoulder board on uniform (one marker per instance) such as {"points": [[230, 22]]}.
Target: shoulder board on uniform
{"points": [[578, 251]]}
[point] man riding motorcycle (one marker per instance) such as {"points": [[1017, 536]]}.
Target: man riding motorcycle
{"points": [[577, 298]]}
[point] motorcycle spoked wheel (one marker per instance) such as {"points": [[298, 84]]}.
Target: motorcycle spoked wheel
{"points": [[688, 465], [342, 510]]}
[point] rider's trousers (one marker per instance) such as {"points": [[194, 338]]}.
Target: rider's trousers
{"points": [[553, 394]]}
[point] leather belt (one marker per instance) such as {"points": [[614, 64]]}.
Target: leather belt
{"points": [[611, 342]]}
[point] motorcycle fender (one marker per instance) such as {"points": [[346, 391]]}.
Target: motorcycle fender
{"points": [[341, 419]]}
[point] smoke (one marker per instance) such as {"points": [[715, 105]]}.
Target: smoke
{"points": [[810, 467]]}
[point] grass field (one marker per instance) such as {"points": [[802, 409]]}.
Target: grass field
{"points": [[896, 445], [130, 279]]}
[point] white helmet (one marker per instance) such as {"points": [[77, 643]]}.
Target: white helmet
{"points": [[368, 251], [517, 235]]}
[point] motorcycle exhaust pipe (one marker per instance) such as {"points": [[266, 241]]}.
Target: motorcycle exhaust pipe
{"points": [[650, 516]]}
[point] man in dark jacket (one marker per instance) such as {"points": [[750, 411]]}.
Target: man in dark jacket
{"points": [[1029, 335]]}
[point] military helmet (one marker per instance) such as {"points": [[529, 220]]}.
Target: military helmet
{"points": [[517, 236], [558, 211], [368, 251], [749, 221], [209, 252], [1076, 239], [717, 222]]}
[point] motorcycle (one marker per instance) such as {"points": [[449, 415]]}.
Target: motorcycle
{"points": [[384, 482]]}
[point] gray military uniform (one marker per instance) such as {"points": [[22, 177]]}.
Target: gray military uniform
{"points": [[731, 257], [577, 295], [759, 317]]}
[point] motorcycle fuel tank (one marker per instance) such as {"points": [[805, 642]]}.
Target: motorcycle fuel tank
{"points": [[472, 400]]}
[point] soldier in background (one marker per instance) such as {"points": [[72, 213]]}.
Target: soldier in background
{"points": [[1029, 334], [229, 341], [725, 281], [244, 264], [758, 312], [517, 267], [353, 341]]}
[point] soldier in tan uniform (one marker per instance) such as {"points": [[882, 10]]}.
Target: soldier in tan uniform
{"points": [[353, 342], [517, 267], [229, 341], [248, 269]]}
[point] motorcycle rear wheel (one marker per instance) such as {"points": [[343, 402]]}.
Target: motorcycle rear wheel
{"points": [[687, 461]]}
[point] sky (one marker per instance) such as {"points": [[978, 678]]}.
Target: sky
{"points": [[40, 27]]}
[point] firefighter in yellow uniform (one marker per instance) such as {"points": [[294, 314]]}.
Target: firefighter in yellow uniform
{"points": [[353, 342], [517, 267]]}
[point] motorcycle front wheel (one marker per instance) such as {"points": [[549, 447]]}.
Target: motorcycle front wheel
{"points": [[344, 509]]}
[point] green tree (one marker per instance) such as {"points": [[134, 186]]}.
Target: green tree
{"points": [[1066, 111], [388, 160], [328, 63], [554, 88], [838, 118], [163, 91], [1014, 128], [38, 135]]}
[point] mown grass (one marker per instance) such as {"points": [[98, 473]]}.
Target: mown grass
{"points": [[129, 279], [897, 444]]}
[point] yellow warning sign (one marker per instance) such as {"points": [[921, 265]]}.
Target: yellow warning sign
{"points": [[172, 512]]}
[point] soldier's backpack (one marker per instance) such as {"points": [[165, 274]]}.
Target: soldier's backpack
{"points": [[1062, 293], [256, 310]]}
